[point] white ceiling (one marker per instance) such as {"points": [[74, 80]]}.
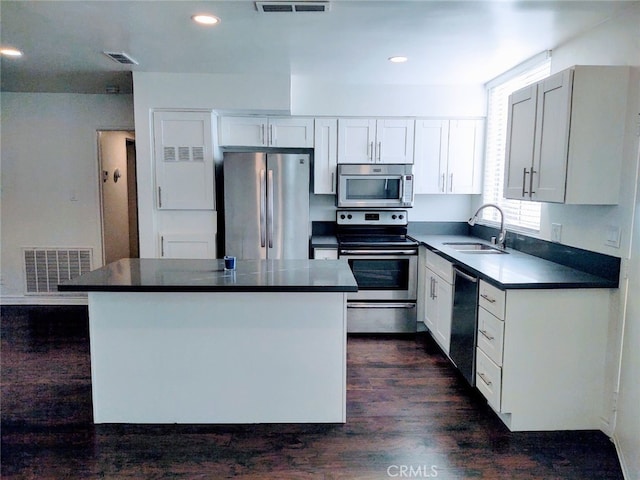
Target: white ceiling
{"points": [[447, 42]]}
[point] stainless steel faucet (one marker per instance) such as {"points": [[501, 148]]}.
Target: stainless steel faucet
{"points": [[503, 233]]}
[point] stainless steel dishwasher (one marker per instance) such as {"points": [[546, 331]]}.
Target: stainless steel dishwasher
{"points": [[464, 324]]}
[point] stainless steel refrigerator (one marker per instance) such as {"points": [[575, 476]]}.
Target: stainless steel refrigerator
{"points": [[266, 205]]}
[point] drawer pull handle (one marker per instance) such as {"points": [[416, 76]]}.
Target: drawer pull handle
{"points": [[486, 335], [488, 298], [483, 377]]}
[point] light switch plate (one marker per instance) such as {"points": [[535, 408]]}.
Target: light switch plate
{"points": [[556, 232], [613, 236]]}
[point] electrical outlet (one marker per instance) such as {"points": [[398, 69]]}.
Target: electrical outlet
{"points": [[556, 232]]}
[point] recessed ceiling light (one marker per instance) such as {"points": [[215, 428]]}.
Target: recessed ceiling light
{"points": [[10, 52], [398, 59], [205, 19]]}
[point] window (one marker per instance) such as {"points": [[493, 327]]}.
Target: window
{"points": [[519, 214]]}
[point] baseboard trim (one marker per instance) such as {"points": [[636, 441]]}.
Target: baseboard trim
{"points": [[621, 458]]}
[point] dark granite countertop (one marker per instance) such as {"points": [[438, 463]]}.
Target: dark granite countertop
{"points": [[176, 275], [513, 270]]}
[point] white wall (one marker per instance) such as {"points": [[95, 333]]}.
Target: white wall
{"points": [[427, 208], [50, 175], [616, 42], [285, 95], [328, 97], [627, 425], [613, 43]]}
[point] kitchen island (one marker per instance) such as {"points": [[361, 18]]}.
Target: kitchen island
{"points": [[184, 341]]}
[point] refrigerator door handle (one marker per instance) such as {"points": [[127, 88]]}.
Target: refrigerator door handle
{"points": [[270, 194], [263, 209]]}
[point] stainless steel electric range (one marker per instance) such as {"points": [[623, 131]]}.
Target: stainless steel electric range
{"points": [[384, 262]]}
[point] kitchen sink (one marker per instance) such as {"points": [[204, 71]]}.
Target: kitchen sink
{"points": [[474, 247]]}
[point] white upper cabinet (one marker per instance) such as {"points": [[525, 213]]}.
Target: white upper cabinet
{"points": [[431, 155], [356, 139], [251, 131], [325, 157], [565, 137], [466, 151], [448, 156], [291, 132], [367, 140], [521, 129], [184, 160]]}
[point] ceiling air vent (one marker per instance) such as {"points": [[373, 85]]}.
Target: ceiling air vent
{"points": [[121, 57], [292, 7]]}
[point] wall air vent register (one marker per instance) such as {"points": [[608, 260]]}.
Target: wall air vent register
{"points": [[45, 268], [121, 57]]}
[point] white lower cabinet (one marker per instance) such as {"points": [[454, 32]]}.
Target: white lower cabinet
{"points": [[187, 245], [541, 356], [490, 335], [488, 379], [438, 298], [325, 253]]}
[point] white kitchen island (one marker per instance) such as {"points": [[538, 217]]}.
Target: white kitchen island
{"points": [[183, 341]]}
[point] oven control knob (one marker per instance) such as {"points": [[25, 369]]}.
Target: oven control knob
{"points": [[342, 217], [401, 217], [394, 217], [349, 216]]}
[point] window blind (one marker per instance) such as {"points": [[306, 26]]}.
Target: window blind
{"points": [[518, 214]]}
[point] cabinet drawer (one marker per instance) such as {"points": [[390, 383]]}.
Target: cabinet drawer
{"points": [[443, 268], [492, 299], [325, 253], [489, 379], [490, 335]]}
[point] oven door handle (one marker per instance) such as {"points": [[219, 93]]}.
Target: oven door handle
{"points": [[379, 252], [380, 305]]}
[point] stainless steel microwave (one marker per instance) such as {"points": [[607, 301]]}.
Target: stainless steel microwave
{"points": [[375, 185]]}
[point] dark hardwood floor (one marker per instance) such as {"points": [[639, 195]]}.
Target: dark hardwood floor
{"points": [[408, 416]]}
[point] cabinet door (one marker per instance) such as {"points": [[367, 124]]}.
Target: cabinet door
{"points": [[519, 152], [430, 157], [188, 246], [325, 253], [356, 139], [552, 138], [243, 131], [184, 160], [466, 142], [444, 298], [325, 156], [431, 301], [423, 284], [394, 141], [290, 132]]}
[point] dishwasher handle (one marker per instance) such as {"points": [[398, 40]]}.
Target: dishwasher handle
{"points": [[464, 275]]}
